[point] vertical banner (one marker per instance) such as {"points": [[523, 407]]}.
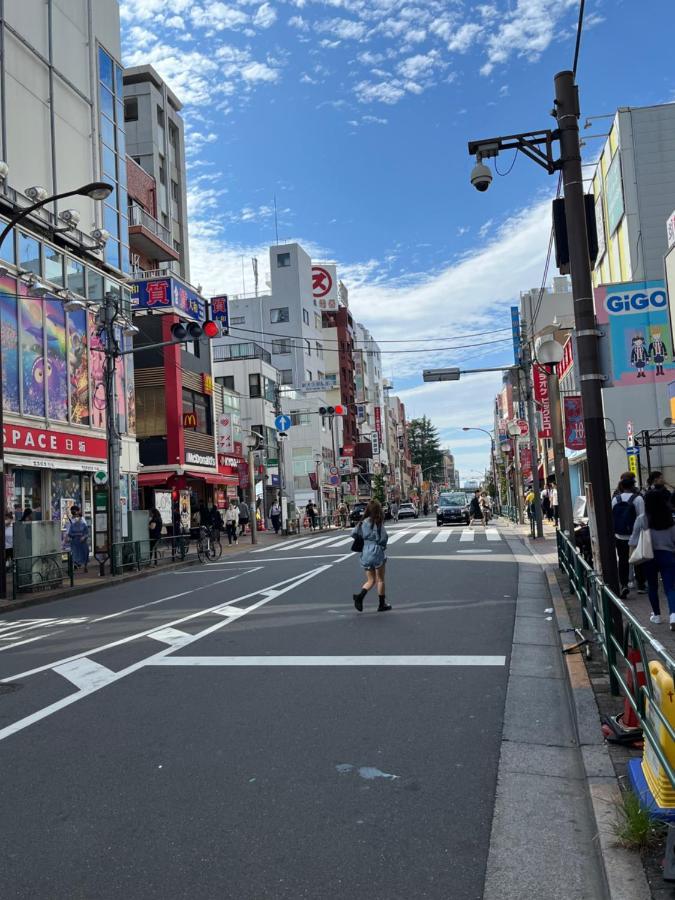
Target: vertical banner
{"points": [[225, 434], [96, 369], [526, 463], [220, 313], [543, 400], [32, 356], [515, 331], [575, 433], [378, 422], [78, 367], [244, 481], [9, 339], [633, 457]]}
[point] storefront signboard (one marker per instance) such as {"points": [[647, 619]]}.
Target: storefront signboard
{"points": [[543, 400], [55, 443], [244, 481], [575, 433], [168, 295], [193, 458], [225, 433]]}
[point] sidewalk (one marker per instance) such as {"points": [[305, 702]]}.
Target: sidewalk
{"points": [[85, 582]]}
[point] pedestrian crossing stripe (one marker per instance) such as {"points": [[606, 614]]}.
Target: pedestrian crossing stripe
{"points": [[407, 536], [468, 534]]}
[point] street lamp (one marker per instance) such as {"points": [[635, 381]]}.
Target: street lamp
{"points": [[492, 455], [97, 190]]}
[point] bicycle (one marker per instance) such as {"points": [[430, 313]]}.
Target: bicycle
{"points": [[208, 545]]}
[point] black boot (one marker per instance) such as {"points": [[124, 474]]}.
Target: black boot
{"points": [[358, 599], [383, 607]]}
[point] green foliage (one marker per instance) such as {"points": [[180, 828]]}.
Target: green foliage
{"points": [[378, 488], [425, 449], [634, 827]]}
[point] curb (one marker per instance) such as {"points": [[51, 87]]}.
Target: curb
{"points": [[624, 874]]}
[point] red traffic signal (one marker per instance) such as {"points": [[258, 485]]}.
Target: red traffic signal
{"points": [[340, 410], [210, 329], [193, 331]]}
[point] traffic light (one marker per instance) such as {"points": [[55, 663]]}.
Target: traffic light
{"points": [[326, 411], [193, 331], [340, 410]]}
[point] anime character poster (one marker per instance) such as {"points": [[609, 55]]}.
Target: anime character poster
{"points": [[131, 388], [55, 370], [32, 356], [78, 367], [636, 318], [120, 391], [96, 369], [9, 335]]}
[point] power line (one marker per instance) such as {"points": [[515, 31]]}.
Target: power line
{"points": [[299, 344], [301, 337], [577, 44]]}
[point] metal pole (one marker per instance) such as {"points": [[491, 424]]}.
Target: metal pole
{"points": [[560, 465], [526, 370], [587, 334], [319, 498], [110, 311], [251, 491]]}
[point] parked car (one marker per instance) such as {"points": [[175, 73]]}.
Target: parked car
{"points": [[452, 509], [356, 513], [407, 511]]}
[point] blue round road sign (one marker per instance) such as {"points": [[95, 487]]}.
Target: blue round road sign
{"points": [[283, 423]]}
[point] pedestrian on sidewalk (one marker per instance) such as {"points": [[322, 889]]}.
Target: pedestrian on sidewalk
{"points": [[9, 537], [275, 516], [231, 523], [244, 517], [555, 509], [310, 512], [216, 521], [546, 504], [475, 509], [658, 519], [78, 537], [627, 505], [155, 532], [656, 482], [373, 558]]}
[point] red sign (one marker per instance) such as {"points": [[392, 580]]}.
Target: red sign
{"points": [[348, 450], [312, 481], [543, 400], [322, 281], [526, 463], [575, 431], [243, 475], [378, 422], [158, 293], [567, 361], [522, 424], [54, 443]]}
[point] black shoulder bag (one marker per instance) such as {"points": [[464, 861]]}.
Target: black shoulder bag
{"points": [[357, 546]]}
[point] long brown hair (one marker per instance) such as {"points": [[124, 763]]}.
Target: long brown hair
{"points": [[374, 513]]}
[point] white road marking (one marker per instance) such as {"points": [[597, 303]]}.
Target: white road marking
{"points": [[86, 674], [416, 538], [171, 636], [268, 594], [286, 558], [342, 542], [442, 536], [468, 534], [292, 545], [474, 551], [492, 534], [319, 543], [330, 661], [397, 536]]}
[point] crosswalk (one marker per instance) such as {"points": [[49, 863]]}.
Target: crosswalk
{"points": [[404, 536]]}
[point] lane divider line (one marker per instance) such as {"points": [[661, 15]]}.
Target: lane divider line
{"points": [[86, 674], [330, 661], [171, 636]]}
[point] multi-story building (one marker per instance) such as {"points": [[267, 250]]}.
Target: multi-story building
{"points": [[371, 408], [62, 127], [634, 187], [450, 474], [156, 143], [400, 466]]}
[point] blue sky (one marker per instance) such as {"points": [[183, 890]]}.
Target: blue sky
{"points": [[356, 114]]}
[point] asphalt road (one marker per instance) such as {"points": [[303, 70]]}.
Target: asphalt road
{"points": [[239, 731]]}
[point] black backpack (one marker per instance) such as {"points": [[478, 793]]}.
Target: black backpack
{"points": [[624, 514]]}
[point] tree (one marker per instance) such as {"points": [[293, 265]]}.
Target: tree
{"points": [[425, 449], [378, 488]]}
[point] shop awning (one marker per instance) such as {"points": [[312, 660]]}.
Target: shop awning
{"points": [[211, 478], [151, 479]]}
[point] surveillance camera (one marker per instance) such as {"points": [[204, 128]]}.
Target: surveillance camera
{"points": [[71, 217], [100, 235], [481, 177], [36, 193]]}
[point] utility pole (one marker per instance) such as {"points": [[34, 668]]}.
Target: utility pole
{"points": [[108, 316], [251, 494], [587, 334]]}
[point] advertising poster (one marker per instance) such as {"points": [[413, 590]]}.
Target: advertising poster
{"points": [[96, 366], [64, 511], [120, 390], [225, 434], [636, 318], [32, 356], [9, 336], [575, 433], [130, 386], [163, 505], [57, 389], [78, 367], [614, 194], [184, 505]]}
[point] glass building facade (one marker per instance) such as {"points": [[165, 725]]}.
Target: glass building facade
{"points": [[113, 160]]}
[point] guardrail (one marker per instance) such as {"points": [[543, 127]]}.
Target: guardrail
{"points": [[617, 631], [136, 555], [41, 572]]}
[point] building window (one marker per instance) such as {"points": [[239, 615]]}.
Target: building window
{"points": [[238, 320], [131, 109], [162, 171], [300, 418], [197, 409], [160, 117], [286, 376], [283, 260], [254, 389], [279, 315], [282, 346], [112, 115], [317, 321], [174, 191], [320, 376], [308, 374], [305, 317], [226, 381], [319, 350]]}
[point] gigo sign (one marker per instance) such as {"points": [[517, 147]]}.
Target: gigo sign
{"points": [[636, 301]]}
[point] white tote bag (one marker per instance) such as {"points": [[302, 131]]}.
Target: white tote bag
{"points": [[643, 550]]}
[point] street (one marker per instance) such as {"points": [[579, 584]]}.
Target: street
{"points": [[239, 730]]}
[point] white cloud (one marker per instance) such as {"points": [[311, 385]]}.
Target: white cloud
{"points": [[381, 92], [464, 37], [344, 29], [527, 30], [257, 71], [218, 15], [420, 64], [299, 23], [266, 16]]}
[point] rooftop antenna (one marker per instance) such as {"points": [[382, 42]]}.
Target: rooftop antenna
{"points": [[243, 276], [254, 263], [276, 220]]}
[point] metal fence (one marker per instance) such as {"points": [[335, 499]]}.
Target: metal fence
{"points": [[136, 555], [41, 573], [617, 631]]}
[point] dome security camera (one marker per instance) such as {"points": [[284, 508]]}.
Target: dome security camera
{"points": [[481, 177]]}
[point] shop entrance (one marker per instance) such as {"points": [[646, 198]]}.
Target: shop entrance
{"points": [[27, 493]]}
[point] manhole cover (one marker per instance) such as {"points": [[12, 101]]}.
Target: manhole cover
{"points": [[8, 688]]}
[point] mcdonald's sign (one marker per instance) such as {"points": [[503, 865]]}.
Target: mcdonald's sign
{"points": [[189, 420]]}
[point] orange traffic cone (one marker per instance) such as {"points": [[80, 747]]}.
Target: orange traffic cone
{"points": [[625, 728]]}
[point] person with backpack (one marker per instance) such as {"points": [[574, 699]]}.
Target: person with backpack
{"points": [[627, 505], [658, 521], [373, 534]]}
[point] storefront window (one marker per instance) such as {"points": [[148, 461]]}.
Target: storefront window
{"points": [[66, 492], [29, 254], [9, 331], [32, 356], [28, 492], [54, 266], [78, 369], [197, 409], [75, 277], [56, 380], [7, 253], [94, 285]]}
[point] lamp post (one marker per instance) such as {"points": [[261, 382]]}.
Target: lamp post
{"points": [[97, 190], [492, 454], [514, 433]]}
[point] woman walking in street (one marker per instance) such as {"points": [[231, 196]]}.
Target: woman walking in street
{"points": [[373, 560], [231, 522], [658, 519], [155, 532], [275, 516], [78, 536]]}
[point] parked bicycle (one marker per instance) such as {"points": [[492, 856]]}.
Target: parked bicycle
{"points": [[209, 547]]}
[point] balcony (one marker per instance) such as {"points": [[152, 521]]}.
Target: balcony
{"points": [[249, 350], [149, 237]]}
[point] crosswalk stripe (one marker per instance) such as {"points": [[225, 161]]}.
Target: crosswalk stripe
{"points": [[416, 538], [341, 542], [468, 534], [492, 534], [320, 543], [397, 537], [294, 545], [442, 536]]}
